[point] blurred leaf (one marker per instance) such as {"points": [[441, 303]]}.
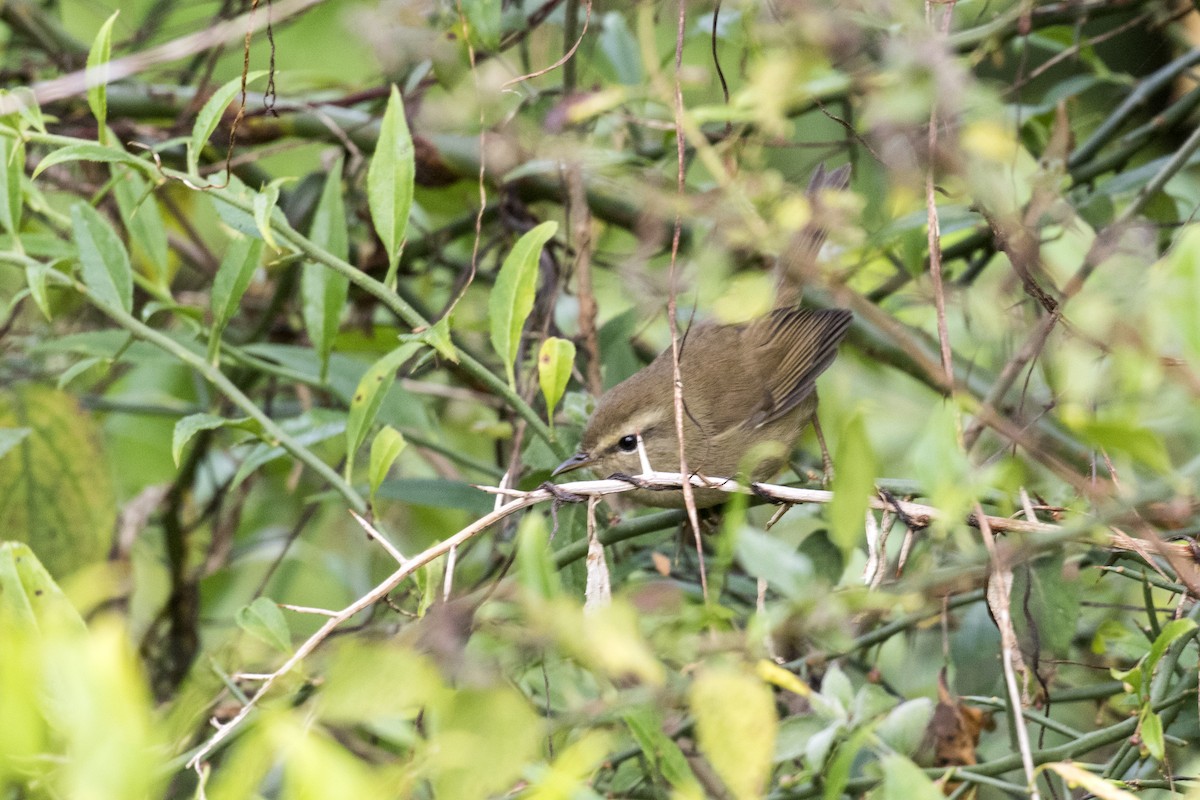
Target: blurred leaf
{"points": [[572, 770], [323, 290], [56, 485], [97, 75], [1171, 632], [105, 263], [143, 220], [661, 751], [853, 485], [263, 620], [903, 729], [307, 429], [555, 360], [390, 182], [480, 741], [512, 296], [482, 23], [210, 116], [29, 597], [385, 449], [535, 565], [794, 732], [735, 728], [1095, 785], [904, 780], [773, 560], [233, 278], [369, 680], [1152, 734], [11, 437], [369, 395], [436, 493], [1129, 437]]}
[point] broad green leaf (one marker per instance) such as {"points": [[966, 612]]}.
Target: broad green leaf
{"points": [[56, 482], [853, 485], [143, 220], [735, 727], [12, 170], [192, 424], [385, 449], [369, 395], [89, 151], [35, 279], [210, 116], [512, 296], [573, 769], [11, 437], [1173, 630], [555, 360], [232, 279], [263, 620], [75, 370], [97, 75], [437, 336], [903, 729], [322, 290], [373, 680], [904, 780], [662, 752], [774, 560], [106, 269], [390, 182], [1152, 734], [1129, 437]]}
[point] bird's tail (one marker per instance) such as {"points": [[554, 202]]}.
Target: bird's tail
{"points": [[798, 264]]}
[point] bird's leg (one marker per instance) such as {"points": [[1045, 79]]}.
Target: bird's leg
{"points": [[560, 495], [826, 461]]}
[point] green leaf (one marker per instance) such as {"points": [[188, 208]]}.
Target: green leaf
{"points": [[512, 296], [97, 75], [662, 752], [1152, 734], [369, 395], [853, 485], [535, 564], [1173, 630], [308, 429], [480, 739], [210, 116], [192, 424], [35, 279], [12, 170], [483, 23], [232, 279], [390, 182], [324, 291], [1131, 438], [11, 437], [56, 482], [903, 729], [385, 448], [263, 620], [1050, 602], [86, 152], [75, 370], [29, 596], [106, 269], [266, 209], [773, 560], [735, 728], [143, 220], [904, 780], [555, 360]]}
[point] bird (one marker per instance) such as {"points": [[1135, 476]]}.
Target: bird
{"points": [[749, 391]]}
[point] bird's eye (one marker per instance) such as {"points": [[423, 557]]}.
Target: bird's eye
{"points": [[627, 443]]}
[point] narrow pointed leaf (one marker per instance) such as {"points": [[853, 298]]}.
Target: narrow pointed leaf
{"points": [[85, 152], [193, 424], [97, 75], [106, 269], [143, 220], [233, 277], [369, 395], [390, 182], [12, 169], [512, 296], [210, 116], [324, 291]]}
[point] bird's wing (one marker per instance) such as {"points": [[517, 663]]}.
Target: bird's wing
{"points": [[794, 346]]}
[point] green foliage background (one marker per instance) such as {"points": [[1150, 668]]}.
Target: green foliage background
{"points": [[228, 343]]}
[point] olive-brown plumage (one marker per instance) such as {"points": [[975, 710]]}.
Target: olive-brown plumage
{"points": [[749, 391]]}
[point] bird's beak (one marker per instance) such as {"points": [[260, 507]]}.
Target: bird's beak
{"points": [[574, 462]]}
